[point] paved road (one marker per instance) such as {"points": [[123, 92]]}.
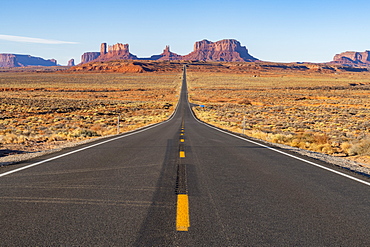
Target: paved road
{"points": [[125, 192]]}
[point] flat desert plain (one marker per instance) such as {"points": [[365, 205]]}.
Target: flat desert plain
{"points": [[321, 112], [41, 111]]}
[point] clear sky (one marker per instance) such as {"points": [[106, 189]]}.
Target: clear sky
{"points": [[272, 30]]}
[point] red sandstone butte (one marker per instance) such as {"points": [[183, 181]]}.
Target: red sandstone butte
{"points": [[353, 58], [227, 50]]}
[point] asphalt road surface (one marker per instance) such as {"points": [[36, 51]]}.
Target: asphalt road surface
{"points": [[181, 183]]}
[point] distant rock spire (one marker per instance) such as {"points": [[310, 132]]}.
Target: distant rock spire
{"points": [[103, 48], [71, 62]]}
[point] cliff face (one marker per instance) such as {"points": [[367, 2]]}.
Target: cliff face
{"points": [[228, 50], [353, 58], [8, 60], [15, 60], [89, 56]]}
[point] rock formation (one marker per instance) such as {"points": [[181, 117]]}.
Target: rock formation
{"points": [[89, 56], [71, 62], [352, 58], [103, 48], [16, 60], [110, 66], [166, 55], [117, 51], [227, 50], [8, 60]]}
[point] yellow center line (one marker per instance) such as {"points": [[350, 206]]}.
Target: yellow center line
{"points": [[182, 215]]}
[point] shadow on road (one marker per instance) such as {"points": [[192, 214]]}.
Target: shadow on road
{"points": [[152, 231]]}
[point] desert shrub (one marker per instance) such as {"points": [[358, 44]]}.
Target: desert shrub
{"points": [[40, 138], [98, 128], [83, 133], [10, 138], [244, 102], [295, 142], [281, 138], [21, 139], [346, 147], [57, 137], [328, 149], [320, 139], [307, 137], [361, 148]]}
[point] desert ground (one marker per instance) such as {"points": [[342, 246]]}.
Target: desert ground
{"points": [[321, 112], [41, 111], [319, 108]]}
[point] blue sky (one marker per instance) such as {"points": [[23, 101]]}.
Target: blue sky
{"points": [[279, 31]]}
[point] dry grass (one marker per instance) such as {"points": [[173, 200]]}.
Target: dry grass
{"points": [[41, 110], [327, 113]]}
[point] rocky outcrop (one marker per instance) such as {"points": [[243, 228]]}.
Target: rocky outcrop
{"points": [[16, 60], [117, 52], [166, 55], [110, 66], [71, 62], [103, 48], [227, 50], [353, 58], [89, 56]]}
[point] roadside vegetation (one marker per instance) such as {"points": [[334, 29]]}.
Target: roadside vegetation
{"points": [[327, 113], [40, 111]]}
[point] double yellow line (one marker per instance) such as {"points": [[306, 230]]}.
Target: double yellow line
{"points": [[182, 213]]}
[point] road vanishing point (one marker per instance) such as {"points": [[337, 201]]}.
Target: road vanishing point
{"points": [[181, 183]]}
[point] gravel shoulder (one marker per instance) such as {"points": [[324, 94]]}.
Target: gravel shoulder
{"points": [[337, 161], [16, 158]]}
